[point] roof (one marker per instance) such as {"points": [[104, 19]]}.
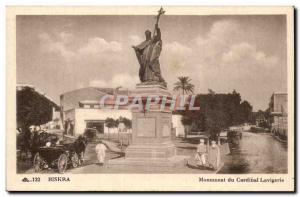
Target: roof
{"points": [[70, 100], [276, 93], [102, 90]]}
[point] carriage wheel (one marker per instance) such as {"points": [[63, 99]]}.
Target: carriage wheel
{"points": [[75, 160], [37, 162], [62, 163]]}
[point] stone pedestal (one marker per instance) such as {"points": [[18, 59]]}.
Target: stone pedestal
{"points": [[151, 134]]}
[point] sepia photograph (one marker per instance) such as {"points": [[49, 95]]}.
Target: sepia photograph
{"points": [[157, 91]]}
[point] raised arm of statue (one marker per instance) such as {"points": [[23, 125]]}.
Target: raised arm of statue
{"points": [[157, 35]]}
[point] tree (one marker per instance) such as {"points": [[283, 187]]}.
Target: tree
{"points": [[246, 111], [184, 84], [210, 91], [262, 117], [33, 108], [127, 122], [217, 111], [110, 123], [186, 121]]}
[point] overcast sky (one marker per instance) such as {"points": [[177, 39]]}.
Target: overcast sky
{"points": [[62, 53]]}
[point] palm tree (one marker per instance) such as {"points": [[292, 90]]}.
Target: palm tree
{"points": [[184, 84]]}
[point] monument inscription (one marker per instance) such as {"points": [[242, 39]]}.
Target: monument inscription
{"points": [[146, 127]]}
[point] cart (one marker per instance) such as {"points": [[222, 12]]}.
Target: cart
{"points": [[59, 157]]}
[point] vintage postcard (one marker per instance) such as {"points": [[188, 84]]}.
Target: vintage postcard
{"points": [[150, 99]]}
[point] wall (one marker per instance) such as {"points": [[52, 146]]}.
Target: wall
{"points": [[177, 125], [280, 125], [280, 103], [81, 115], [70, 100]]}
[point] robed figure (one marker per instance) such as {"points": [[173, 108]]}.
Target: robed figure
{"points": [[148, 53]]}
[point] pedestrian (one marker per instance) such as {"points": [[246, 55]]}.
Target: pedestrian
{"points": [[35, 143], [121, 130], [100, 151], [201, 153], [214, 155]]}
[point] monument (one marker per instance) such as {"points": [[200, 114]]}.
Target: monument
{"points": [[148, 53], [151, 128]]}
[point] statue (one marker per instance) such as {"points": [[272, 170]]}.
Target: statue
{"points": [[148, 53]]}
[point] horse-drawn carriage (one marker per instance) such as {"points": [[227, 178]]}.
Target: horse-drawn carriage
{"points": [[60, 156]]}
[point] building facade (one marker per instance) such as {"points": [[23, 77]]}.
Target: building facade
{"points": [[81, 110], [279, 114]]}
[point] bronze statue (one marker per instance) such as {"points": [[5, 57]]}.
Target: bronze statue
{"points": [[148, 53]]}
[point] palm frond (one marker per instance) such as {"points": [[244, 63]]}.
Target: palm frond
{"points": [[184, 84]]}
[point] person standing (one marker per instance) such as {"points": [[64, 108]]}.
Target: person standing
{"points": [[121, 130], [100, 151], [201, 153], [214, 156], [35, 144]]}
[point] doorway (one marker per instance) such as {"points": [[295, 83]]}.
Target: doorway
{"points": [[96, 124]]}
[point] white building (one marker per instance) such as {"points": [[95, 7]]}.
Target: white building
{"points": [[279, 113], [81, 110], [177, 126]]}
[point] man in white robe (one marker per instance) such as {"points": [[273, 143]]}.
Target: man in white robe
{"points": [[100, 151], [201, 153]]}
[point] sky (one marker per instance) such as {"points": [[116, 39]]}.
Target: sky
{"points": [[246, 53]]}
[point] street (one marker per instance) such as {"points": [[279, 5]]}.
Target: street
{"points": [[259, 153], [184, 147]]}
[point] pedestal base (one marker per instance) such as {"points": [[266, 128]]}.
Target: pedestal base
{"points": [[177, 160], [151, 150], [151, 155], [151, 134]]}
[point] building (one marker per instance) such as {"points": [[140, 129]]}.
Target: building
{"points": [[177, 126], [81, 110], [279, 112]]}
